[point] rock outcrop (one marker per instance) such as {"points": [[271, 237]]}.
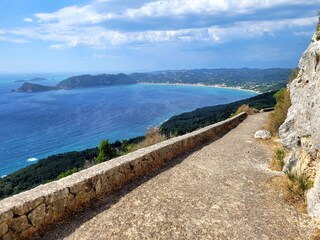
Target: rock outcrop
{"points": [[300, 133]]}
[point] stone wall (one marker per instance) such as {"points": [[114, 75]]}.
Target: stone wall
{"points": [[24, 214]]}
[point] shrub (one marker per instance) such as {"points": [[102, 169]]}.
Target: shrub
{"points": [[105, 152], [153, 136], [245, 108], [298, 185], [278, 159], [67, 173], [278, 116]]}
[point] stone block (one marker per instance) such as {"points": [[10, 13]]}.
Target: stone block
{"points": [[56, 210], [5, 215], [57, 195], [28, 233], [19, 224], [3, 229], [25, 206], [77, 187], [37, 216]]}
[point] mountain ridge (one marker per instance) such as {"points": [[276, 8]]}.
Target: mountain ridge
{"points": [[262, 80]]}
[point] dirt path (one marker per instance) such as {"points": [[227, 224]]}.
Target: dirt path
{"points": [[217, 192]]}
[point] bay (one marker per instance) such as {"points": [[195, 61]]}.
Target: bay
{"points": [[36, 125]]}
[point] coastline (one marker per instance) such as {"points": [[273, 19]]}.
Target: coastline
{"points": [[201, 85]]}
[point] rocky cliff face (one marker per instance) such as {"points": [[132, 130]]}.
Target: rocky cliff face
{"points": [[300, 133]]}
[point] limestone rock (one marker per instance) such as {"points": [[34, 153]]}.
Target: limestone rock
{"points": [[300, 132], [262, 134]]}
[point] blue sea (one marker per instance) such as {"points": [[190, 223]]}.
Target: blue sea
{"points": [[36, 125]]}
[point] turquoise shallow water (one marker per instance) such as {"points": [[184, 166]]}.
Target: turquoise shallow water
{"points": [[36, 125]]}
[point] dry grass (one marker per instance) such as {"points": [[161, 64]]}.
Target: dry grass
{"points": [[276, 118], [299, 184], [278, 156], [152, 136], [247, 109], [278, 153], [291, 185], [280, 184]]}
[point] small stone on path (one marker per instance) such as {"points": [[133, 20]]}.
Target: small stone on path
{"points": [[262, 134]]}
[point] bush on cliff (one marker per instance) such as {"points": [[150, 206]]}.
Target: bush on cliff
{"points": [[277, 118]]}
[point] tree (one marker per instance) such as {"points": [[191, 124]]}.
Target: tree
{"points": [[105, 152]]}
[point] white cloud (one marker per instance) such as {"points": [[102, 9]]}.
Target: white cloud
{"points": [[12, 40], [74, 15], [28, 20], [99, 37], [182, 7], [91, 14]]}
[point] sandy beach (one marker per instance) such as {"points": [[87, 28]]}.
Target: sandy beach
{"points": [[201, 85]]}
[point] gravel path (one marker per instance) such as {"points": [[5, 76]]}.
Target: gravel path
{"points": [[219, 191]]}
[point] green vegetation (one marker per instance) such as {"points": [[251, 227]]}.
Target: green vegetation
{"points": [[67, 173], [298, 185], [190, 121], [32, 87], [85, 81], [262, 80], [278, 159], [105, 152]]}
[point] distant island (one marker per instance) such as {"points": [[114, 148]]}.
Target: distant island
{"points": [[32, 87], [262, 80], [37, 79]]}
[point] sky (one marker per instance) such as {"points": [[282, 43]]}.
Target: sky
{"points": [[109, 36]]}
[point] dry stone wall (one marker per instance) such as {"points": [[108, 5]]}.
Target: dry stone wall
{"points": [[24, 214]]}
